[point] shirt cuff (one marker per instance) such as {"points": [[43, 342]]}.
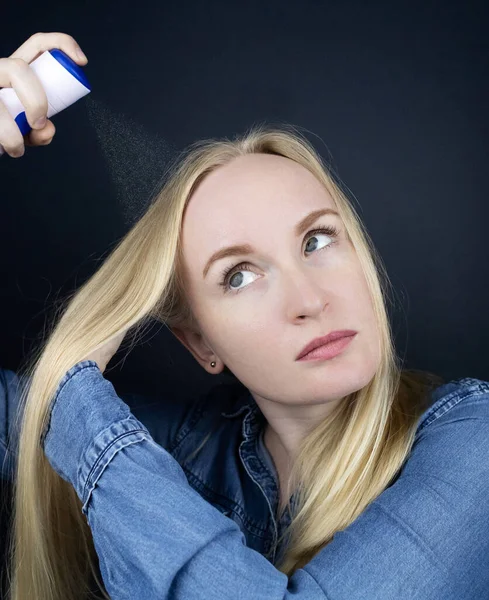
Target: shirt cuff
{"points": [[88, 425]]}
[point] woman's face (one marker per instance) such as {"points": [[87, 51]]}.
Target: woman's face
{"points": [[293, 288]]}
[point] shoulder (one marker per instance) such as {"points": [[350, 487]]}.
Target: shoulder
{"points": [[450, 453], [465, 396]]}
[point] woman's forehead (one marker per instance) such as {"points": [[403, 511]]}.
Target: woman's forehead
{"points": [[255, 186]]}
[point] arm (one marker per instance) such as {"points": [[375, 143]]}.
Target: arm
{"points": [[162, 417], [425, 537]]}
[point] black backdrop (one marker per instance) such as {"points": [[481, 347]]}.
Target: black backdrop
{"points": [[394, 95]]}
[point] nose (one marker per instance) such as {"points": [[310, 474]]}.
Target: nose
{"points": [[304, 294]]}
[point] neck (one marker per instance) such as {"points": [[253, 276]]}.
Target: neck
{"points": [[281, 456]]}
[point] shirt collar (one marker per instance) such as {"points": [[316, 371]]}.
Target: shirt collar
{"points": [[244, 402]]}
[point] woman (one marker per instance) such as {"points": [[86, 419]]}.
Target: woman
{"points": [[384, 474]]}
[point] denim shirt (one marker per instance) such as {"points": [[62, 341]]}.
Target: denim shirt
{"points": [[168, 522]]}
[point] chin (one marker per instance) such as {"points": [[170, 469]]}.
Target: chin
{"points": [[343, 379]]}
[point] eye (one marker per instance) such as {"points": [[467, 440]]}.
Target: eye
{"points": [[229, 272]]}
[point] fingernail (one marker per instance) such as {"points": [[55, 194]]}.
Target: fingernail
{"points": [[39, 124], [80, 53]]}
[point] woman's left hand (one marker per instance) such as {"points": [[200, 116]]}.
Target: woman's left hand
{"points": [[103, 355]]}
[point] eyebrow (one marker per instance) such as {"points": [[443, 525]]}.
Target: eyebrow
{"points": [[240, 249]]}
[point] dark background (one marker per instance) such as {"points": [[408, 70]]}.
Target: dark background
{"points": [[394, 95]]}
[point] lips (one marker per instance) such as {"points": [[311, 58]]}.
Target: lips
{"points": [[321, 341]]}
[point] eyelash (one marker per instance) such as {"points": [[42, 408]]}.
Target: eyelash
{"points": [[228, 272]]}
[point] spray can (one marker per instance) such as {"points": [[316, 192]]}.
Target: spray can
{"points": [[63, 81]]}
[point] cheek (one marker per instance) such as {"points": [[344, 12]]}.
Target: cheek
{"points": [[356, 282], [367, 322], [234, 335], [359, 308], [247, 342], [363, 294]]}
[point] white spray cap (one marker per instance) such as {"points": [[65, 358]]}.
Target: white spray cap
{"points": [[63, 81]]}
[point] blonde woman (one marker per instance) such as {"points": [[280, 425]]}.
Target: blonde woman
{"points": [[323, 472]]}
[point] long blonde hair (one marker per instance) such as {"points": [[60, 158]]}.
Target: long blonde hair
{"points": [[344, 464]]}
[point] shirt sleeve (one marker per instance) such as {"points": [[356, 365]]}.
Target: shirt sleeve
{"points": [[426, 537], [162, 417]]}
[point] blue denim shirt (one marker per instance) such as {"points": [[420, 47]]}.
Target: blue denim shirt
{"points": [[169, 523]]}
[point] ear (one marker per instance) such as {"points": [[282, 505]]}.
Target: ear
{"points": [[196, 345]]}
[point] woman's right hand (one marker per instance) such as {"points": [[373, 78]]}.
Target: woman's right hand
{"points": [[16, 73]]}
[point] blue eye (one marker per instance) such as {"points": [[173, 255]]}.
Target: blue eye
{"points": [[230, 271]]}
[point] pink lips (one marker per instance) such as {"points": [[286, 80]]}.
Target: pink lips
{"points": [[327, 346]]}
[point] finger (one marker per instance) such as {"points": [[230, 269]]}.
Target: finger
{"points": [[41, 137], [16, 73], [10, 137], [40, 42]]}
